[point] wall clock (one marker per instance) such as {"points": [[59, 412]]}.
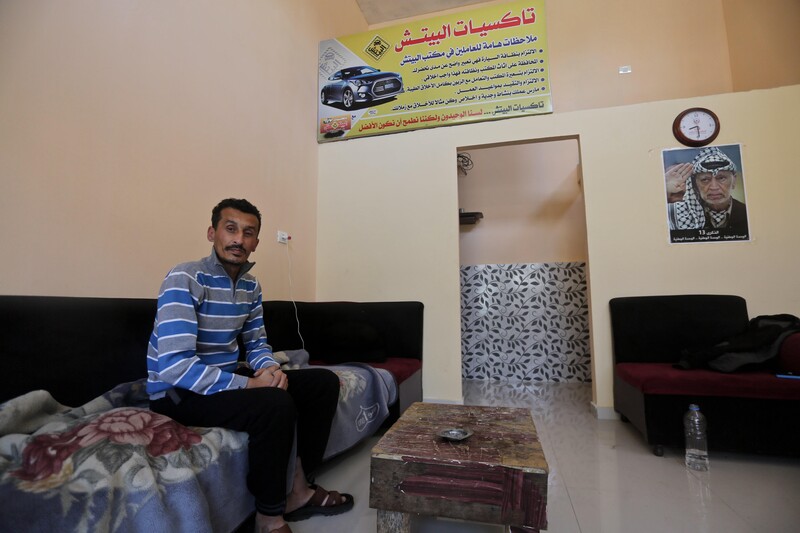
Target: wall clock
{"points": [[696, 126]]}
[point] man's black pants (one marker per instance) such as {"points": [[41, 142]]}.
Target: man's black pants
{"points": [[270, 416]]}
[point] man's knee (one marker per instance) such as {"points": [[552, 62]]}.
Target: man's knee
{"points": [[329, 378], [271, 404], [327, 383], [274, 398]]}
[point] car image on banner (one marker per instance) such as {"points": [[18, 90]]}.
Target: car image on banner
{"points": [[360, 84]]}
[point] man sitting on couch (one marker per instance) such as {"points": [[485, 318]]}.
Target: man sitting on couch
{"points": [[203, 306]]}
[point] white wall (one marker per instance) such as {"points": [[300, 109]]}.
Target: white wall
{"points": [[388, 230], [122, 124], [531, 198], [387, 227]]}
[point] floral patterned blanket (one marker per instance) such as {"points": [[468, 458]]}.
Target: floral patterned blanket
{"points": [[113, 465]]}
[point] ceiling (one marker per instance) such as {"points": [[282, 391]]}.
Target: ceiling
{"points": [[380, 11]]}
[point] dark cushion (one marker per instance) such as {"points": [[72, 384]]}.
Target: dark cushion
{"points": [[656, 329], [351, 341], [75, 348], [664, 379], [339, 332]]}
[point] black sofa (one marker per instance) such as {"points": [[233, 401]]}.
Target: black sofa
{"points": [[749, 410], [78, 348], [84, 457]]}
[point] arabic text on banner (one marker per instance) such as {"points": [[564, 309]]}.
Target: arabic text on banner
{"points": [[483, 64]]}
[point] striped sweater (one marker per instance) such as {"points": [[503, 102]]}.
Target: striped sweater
{"points": [[200, 313]]}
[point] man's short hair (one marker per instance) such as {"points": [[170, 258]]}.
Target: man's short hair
{"points": [[240, 204]]}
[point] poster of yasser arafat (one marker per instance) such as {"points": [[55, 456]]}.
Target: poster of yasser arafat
{"points": [[484, 64], [706, 201]]}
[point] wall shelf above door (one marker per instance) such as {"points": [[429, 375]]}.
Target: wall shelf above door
{"points": [[469, 217]]}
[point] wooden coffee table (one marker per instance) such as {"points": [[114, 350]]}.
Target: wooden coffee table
{"points": [[497, 475]]}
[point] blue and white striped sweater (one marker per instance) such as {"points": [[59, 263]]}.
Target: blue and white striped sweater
{"points": [[193, 345]]}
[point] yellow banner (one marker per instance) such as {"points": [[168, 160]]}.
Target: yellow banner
{"points": [[483, 64]]}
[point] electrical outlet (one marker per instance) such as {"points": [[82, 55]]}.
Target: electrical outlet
{"points": [[283, 237]]}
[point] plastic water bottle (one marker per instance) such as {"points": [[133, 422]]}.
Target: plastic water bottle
{"points": [[694, 428]]}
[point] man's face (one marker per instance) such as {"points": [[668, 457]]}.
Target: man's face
{"points": [[715, 191], [235, 237]]}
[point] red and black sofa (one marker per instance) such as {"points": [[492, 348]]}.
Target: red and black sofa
{"points": [[749, 410]]}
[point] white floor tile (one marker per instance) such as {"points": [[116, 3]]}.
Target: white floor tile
{"points": [[603, 478], [619, 510], [763, 490], [560, 513]]}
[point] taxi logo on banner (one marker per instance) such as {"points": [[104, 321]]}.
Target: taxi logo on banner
{"points": [[377, 47]]}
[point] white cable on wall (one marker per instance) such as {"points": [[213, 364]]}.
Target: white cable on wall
{"points": [[291, 296]]}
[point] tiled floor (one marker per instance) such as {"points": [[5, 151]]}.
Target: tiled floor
{"points": [[603, 477]]}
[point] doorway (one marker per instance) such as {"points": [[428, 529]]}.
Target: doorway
{"points": [[523, 256]]}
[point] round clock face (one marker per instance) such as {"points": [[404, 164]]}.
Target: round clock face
{"points": [[696, 127]]}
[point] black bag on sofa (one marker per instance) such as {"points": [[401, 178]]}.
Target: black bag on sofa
{"points": [[756, 346]]}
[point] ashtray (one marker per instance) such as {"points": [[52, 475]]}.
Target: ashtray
{"points": [[455, 434]]}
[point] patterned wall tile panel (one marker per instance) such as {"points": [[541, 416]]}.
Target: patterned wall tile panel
{"points": [[525, 322]]}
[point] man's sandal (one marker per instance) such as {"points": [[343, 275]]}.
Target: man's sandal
{"points": [[322, 502]]}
